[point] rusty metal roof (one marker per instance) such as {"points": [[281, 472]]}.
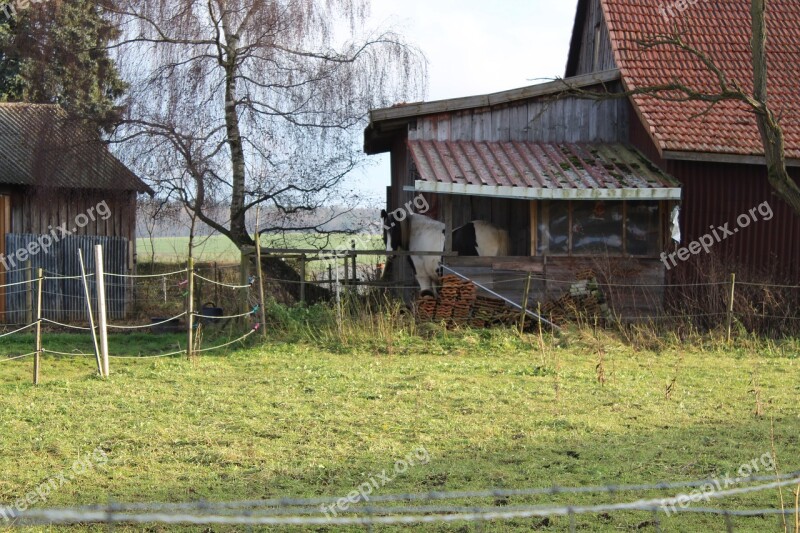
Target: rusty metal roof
{"points": [[41, 146], [536, 170]]}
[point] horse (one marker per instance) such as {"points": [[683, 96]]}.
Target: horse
{"points": [[417, 233]]}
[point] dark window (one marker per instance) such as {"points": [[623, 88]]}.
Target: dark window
{"points": [[599, 227]]}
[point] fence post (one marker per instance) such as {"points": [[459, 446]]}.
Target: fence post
{"points": [[346, 268], [190, 308], [260, 273], [89, 311], [730, 304], [303, 278], [243, 275], [102, 319], [28, 292], [38, 354], [355, 275], [525, 294]]}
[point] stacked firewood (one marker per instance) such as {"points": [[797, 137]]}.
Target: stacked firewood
{"points": [[585, 300], [492, 312], [455, 302]]}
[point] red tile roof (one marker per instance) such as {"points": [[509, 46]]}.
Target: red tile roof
{"points": [[721, 28]]}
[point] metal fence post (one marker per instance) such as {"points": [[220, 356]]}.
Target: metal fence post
{"points": [[38, 354], [102, 317], [190, 308], [730, 304]]}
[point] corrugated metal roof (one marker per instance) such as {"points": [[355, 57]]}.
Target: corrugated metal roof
{"points": [[539, 170], [41, 146]]}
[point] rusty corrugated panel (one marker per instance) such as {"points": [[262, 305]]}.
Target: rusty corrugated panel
{"points": [[41, 146], [514, 167]]}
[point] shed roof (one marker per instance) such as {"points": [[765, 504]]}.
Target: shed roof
{"points": [[41, 146], [721, 29], [534, 170]]}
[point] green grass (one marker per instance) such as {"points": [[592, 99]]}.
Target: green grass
{"points": [[221, 249], [314, 412]]}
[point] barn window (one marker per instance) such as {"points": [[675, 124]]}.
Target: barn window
{"points": [[599, 227]]}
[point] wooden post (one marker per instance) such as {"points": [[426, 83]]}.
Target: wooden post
{"points": [[525, 294], [346, 268], [260, 273], [190, 307], [198, 293], [38, 354], [216, 286], [89, 311], [353, 247], [330, 275], [29, 292], [243, 275], [730, 304], [303, 278], [102, 320], [448, 222]]}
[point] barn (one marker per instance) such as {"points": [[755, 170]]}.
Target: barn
{"points": [[60, 190], [603, 184]]}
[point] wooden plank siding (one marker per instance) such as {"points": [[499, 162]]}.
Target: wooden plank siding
{"points": [[572, 120], [36, 211], [595, 53]]}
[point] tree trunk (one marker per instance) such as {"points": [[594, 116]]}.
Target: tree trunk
{"points": [[771, 132], [238, 225]]}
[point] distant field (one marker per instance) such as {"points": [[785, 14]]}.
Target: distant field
{"points": [[221, 249]]}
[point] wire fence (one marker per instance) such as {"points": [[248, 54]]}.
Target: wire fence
{"points": [[438, 507], [158, 303]]}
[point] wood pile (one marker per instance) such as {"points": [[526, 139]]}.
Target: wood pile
{"points": [[585, 300], [459, 304]]}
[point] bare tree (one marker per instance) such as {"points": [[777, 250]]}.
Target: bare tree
{"points": [[238, 103]]}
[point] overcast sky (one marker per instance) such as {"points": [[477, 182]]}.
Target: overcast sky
{"points": [[476, 47]]}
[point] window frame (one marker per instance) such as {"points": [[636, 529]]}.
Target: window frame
{"points": [[542, 207]]}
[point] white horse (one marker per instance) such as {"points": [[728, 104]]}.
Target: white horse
{"points": [[418, 233]]}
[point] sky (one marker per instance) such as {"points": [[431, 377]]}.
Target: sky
{"points": [[475, 47]]}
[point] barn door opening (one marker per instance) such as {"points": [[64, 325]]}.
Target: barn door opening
{"points": [[5, 228]]}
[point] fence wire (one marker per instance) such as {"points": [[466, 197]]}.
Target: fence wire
{"points": [[304, 512]]}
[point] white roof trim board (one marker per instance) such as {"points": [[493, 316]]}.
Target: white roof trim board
{"points": [[531, 193]]}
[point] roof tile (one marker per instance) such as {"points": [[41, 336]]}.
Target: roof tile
{"points": [[721, 28]]}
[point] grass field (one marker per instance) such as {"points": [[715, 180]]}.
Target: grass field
{"points": [[314, 411], [221, 249]]}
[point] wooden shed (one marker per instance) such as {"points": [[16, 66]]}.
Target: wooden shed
{"points": [[592, 184], [58, 179]]}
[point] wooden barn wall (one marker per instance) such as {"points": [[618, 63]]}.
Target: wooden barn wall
{"points": [[565, 120], [36, 210], [715, 194], [595, 53]]}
